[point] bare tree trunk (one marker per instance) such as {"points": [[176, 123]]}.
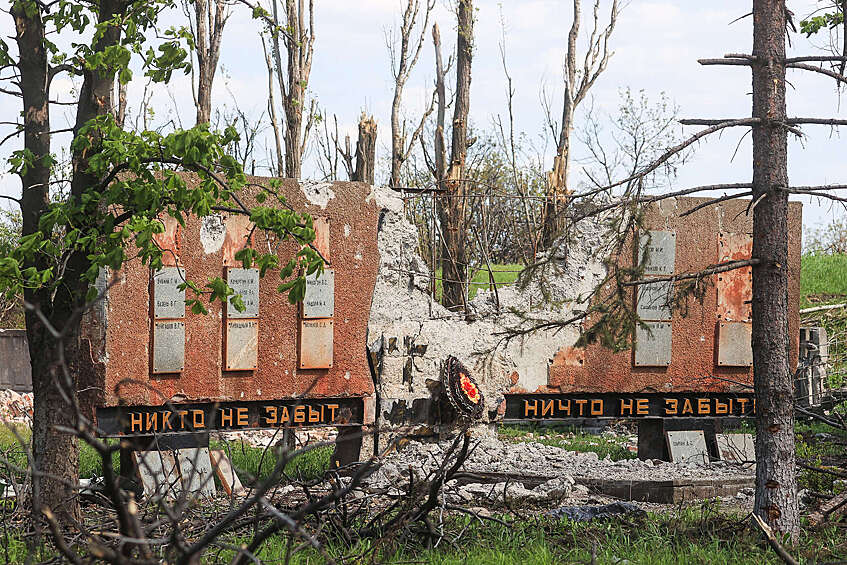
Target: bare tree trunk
{"points": [[403, 59], [776, 499], [299, 45], [366, 150], [120, 110], [578, 81], [453, 221], [278, 144], [441, 105], [207, 37]]}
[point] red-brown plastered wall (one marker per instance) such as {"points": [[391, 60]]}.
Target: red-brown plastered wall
{"points": [[354, 257], [693, 363]]}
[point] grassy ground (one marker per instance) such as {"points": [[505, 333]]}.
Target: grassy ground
{"points": [[249, 462], [823, 276], [568, 438], [504, 275], [693, 535]]}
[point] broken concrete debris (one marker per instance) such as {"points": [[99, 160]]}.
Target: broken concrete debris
{"points": [[15, 406], [410, 335]]}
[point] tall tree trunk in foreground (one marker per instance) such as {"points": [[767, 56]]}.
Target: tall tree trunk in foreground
{"points": [[776, 499], [56, 454], [452, 211]]}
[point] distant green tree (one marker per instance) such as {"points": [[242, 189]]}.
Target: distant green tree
{"points": [[120, 184]]}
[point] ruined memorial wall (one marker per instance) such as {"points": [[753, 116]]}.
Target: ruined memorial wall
{"points": [[369, 345], [706, 350]]}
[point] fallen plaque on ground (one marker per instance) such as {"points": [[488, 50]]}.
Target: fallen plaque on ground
{"points": [[738, 448], [687, 446]]}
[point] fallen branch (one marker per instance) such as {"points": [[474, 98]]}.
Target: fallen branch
{"points": [[773, 542], [834, 507], [822, 308]]}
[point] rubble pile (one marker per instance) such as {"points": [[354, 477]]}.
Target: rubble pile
{"points": [[15, 406], [558, 469]]}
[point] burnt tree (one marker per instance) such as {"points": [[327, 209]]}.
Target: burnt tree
{"points": [[776, 497], [453, 206]]}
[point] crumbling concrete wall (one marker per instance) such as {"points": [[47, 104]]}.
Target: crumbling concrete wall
{"points": [[410, 335]]}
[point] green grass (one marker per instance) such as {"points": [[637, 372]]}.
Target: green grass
{"points": [[693, 535], [822, 275], [567, 438], [250, 462], [504, 275]]}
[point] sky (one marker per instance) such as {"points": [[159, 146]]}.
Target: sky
{"points": [[656, 46]]}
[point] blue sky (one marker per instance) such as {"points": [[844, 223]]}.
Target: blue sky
{"points": [[656, 47]]}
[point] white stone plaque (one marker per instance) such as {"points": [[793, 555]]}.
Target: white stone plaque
{"points": [[242, 345], [688, 447], [319, 301], [316, 344], [168, 346], [653, 345], [244, 282], [168, 300], [658, 252], [654, 301]]}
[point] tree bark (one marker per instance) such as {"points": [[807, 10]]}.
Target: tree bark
{"points": [[452, 211], [366, 151], [776, 499], [207, 36], [54, 452]]}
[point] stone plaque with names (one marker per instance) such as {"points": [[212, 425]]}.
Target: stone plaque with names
{"points": [[687, 446], [242, 345], [168, 300], [319, 301], [245, 282], [653, 345], [658, 251], [168, 346], [654, 301], [316, 344]]}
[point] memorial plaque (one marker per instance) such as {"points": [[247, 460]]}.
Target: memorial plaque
{"points": [[242, 345], [658, 252], [653, 345], [687, 446], [735, 347], [159, 474], [654, 301], [316, 344], [244, 282], [195, 469], [738, 448], [319, 301], [168, 300], [168, 346]]}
